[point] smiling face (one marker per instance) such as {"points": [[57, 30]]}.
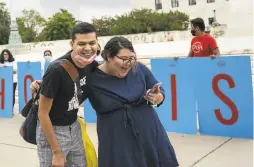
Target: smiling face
{"points": [[122, 62], [119, 56], [85, 45]]}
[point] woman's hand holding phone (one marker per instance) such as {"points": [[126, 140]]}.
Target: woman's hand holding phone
{"points": [[154, 94]]}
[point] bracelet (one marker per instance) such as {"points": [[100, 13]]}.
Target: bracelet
{"points": [[151, 104], [154, 105]]}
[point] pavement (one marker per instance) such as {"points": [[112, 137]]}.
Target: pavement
{"points": [[192, 150]]}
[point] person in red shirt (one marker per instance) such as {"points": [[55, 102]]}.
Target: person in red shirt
{"points": [[203, 44]]}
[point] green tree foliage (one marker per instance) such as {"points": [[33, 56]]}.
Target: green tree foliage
{"points": [[29, 25], [141, 21], [104, 25], [5, 21], [59, 26]]}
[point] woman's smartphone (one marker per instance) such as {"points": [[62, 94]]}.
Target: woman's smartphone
{"points": [[155, 87]]}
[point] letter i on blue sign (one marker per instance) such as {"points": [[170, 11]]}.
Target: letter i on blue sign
{"points": [[6, 92], [178, 111]]}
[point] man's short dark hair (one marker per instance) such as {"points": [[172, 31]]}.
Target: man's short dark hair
{"points": [[198, 22], [82, 28]]}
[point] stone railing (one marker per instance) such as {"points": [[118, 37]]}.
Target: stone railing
{"points": [[59, 47], [134, 38]]}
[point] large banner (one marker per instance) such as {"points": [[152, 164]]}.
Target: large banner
{"points": [[27, 73], [225, 96], [6, 92], [218, 90]]}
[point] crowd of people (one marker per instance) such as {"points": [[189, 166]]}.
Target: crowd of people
{"points": [[130, 133]]}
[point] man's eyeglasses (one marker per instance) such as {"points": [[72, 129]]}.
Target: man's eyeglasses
{"points": [[128, 61]]}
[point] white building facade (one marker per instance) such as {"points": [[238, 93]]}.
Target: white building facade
{"points": [[237, 15]]}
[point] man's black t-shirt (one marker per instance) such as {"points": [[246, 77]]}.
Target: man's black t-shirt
{"points": [[57, 85]]}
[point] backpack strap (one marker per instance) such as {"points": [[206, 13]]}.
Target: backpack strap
{"points": [[70, 68], [73, 73]]}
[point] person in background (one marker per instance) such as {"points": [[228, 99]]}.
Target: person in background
{"points": [[170, 37], [7, 59], [98, 58], [203, 44], [47, 57]]}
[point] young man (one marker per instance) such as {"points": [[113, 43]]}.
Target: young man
{"points": [[59, 140], [203, 44]]}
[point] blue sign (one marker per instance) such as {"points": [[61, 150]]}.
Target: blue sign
{"points": [[27, 73], [225, 96], [6, 92], [178, 112], [89, 112], [46, 64]]}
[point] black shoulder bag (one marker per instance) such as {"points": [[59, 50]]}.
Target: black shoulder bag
{"points": [[30, 111]]}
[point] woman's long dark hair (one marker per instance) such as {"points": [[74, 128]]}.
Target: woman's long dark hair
{"points": [[10, 59]]}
